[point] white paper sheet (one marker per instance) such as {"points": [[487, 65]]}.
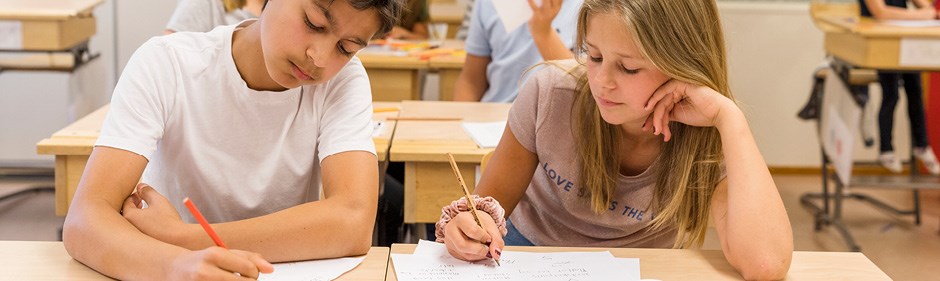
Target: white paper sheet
{"points": [[11, 35], [485, 134], [378, 127], [431, 261], [919, 52], [839, 125], [514, 13], [316, 270]]}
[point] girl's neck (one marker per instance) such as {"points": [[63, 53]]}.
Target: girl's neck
{"points": [[249, 59], [637, 149]]}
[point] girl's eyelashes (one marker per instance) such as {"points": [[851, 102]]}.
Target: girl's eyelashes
{"points": [[596, 59], [629, 71]]}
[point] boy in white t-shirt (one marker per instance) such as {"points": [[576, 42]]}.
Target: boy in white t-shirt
{"points": [[247, 121]]}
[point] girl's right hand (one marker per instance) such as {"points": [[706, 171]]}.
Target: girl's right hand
{"points": [[217, 263], [465, 239]]}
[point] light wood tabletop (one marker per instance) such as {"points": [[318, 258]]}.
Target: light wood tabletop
{"points": [[73, 144], [30, 260], [45, 9], [868, 43], [422, 145], [674, 264]]}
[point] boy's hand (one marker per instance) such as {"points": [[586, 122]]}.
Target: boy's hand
{"points": [[465, 239], [542, 16], [159, 220], [217, 263]]}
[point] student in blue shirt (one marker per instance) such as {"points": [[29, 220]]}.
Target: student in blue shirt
{"points": [[496, 60]]}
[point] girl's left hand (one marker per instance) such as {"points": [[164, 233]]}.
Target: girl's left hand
{"points": [[159, 220], [686, 103]]}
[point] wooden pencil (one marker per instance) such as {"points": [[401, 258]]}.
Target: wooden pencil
{"points": [[466, 192]]}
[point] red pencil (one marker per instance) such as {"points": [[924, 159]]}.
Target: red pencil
{"points": [[202, 221]]}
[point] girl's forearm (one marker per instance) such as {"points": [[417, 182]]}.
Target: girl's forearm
{"points": [[760, 240]]}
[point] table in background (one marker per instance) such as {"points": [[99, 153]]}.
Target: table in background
{"points": [[864, 43], [449, 13], [73, 144], [54, 34], [422, 145], [675, 264], [449, 68], [29, 260], [394, 78]]}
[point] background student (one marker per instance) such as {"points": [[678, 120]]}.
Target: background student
{"points": [[204, 15], [247, 120], [891, 80], [638, 145], [496, 59], [413, 24]]}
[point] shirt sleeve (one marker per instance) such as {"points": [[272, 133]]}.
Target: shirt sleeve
{"points": [[346, 122], [478, 43], [192, 15], [523, 116], [140, 103]]}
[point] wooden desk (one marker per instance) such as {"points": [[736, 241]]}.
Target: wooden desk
{"points": [[49, 34], [670, 264], [393, 78], [867, 43], [27, 260], [449, 13], [448, 67], [422, 145], [73, 144]]}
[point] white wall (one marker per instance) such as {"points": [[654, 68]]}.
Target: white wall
{"points": [[773, 49]]}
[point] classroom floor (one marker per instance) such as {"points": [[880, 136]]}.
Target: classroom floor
{"points": [[904, 251]]}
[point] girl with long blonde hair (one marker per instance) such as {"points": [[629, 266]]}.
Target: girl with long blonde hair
{"points": [[637, 143]]}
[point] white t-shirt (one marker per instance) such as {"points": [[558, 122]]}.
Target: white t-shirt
{"points": [[204, 15], [236, 152]]}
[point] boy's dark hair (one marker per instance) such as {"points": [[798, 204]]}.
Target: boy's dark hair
{"points": [[389, 12]]}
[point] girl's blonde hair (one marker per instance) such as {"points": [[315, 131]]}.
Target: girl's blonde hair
{"points": [[683, 39]]}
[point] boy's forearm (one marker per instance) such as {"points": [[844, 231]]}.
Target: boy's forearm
{"points": [[465, 90], [550, 45], [103, 240], [328, 228]]}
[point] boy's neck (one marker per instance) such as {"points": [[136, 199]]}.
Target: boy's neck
{"points": [[249, 59]]}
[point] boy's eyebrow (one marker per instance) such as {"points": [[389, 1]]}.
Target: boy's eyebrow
{"points": [[326, 12], [359, 41], [332, 21]]}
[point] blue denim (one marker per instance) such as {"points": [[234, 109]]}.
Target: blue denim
{"points": [[513, 237]]}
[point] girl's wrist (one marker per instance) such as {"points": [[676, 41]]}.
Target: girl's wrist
{"points": [[487, 204], [730, 119]]}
